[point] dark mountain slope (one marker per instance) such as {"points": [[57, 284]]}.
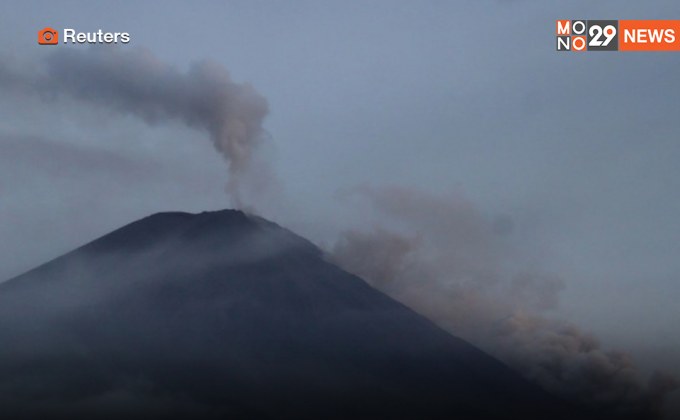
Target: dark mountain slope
{"points": [[225, 315]]}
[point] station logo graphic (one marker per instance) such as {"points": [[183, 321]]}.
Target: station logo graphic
{"points": [[617, 35]]}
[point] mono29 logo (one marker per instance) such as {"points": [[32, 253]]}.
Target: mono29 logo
{"points": [[587, 35], [617, 35]]}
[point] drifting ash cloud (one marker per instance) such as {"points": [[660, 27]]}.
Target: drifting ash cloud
{"points": [[444, 259], [134, 81]]}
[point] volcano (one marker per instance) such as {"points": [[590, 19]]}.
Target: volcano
{"points": [[226, 315]]}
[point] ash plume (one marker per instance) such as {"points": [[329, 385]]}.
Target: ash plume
{"points": [[444, 259], [134, 81]]}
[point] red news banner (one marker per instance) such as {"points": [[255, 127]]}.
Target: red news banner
{"points": [[618, 35], [649, 35]]}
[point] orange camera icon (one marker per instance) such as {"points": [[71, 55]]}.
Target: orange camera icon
{"points": [[48, 36]]}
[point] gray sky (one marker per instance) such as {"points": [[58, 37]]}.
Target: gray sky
{"points": [[580, 151]]}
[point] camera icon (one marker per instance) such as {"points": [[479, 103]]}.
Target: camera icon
{"points": [[48, 36]]}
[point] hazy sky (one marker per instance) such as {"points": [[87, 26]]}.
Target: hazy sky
{"points": [[580, 151]]}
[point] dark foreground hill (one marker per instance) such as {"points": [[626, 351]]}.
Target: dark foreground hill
{"points": [[225, 315]]}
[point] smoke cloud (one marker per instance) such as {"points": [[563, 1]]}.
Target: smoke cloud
{"points": [[444, 259], [134, 81]]}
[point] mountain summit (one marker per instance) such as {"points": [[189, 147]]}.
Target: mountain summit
{"points": [[226, 315]]}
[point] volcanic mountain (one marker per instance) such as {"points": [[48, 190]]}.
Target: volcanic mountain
{"points": [[226, 315]]}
